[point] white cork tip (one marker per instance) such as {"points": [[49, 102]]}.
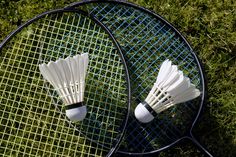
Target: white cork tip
{"points": [[142, 114], [76, 114]]}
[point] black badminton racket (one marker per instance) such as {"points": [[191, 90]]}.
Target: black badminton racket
{"points": [[147, 40], [33, 120]]}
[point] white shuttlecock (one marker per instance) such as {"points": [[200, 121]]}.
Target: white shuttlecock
{"points": [[67, 76], [171, 88]]}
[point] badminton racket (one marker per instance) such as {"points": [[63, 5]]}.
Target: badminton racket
{"points": [[147, 40], [32, 115]]}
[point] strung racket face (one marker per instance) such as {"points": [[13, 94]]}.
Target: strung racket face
{"points": [[147, 40], [32, 115]]}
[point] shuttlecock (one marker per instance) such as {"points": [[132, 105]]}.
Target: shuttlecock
{"points": [[67, 76], [171, 87]]}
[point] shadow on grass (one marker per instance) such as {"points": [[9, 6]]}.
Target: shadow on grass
{"points": [[210, 134], [214, 136]]}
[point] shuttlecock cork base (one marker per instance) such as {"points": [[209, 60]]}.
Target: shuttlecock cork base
{"points": [[76, 112], [171, 87], [144, 113]]}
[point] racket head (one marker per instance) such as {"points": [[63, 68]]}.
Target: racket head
{"points": [[42, 128], [147, 40]]}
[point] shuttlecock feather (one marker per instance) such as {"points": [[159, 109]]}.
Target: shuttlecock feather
{"points": [[67, 76], [171, 87]]}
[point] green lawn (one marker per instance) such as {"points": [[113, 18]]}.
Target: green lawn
{"points": [[210, 27]]}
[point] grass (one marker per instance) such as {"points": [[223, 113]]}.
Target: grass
{"points": [[210, 27]]}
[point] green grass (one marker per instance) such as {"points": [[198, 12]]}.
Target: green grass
{"points": [[210, 27]]}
